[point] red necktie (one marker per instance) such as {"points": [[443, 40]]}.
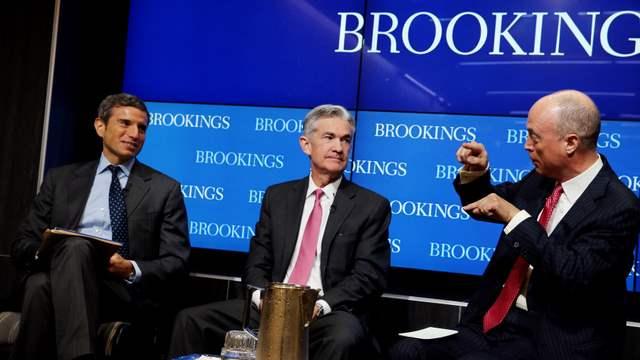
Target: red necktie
{"points": [[307, 253], [498, 311]]}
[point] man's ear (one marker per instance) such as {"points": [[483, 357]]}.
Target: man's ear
{"points": [[100, 126], [305, 145], [572, 143]]}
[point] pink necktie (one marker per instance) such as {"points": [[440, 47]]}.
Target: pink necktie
{"points": [[498, 311], [307, 254]]}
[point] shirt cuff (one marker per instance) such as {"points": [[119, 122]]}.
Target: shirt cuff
{"points": [[467, 176], [521, 216], [324, 306], [137, 274], [255, 298]]}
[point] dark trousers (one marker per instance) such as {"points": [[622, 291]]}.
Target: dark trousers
{"points": [[513, 340], [64, 302], [201, 329]]}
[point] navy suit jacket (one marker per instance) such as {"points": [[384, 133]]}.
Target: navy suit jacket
{"points": [[577, 288], [157, 220], [355, 248]]}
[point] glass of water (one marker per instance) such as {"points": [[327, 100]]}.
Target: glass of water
{"points": [[239, 345]]}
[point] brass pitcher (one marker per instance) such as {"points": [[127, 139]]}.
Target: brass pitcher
{"points": [[284, 322]]}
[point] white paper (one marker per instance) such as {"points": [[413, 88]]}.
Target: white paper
{"points": [[429, 333]]}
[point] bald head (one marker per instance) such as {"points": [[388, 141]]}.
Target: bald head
{"points": [[574, 113]]}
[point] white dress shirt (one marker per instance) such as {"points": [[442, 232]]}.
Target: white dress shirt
{"points": [[326, 202]]}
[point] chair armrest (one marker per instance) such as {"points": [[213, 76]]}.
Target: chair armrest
{"points": [[9, 327]]}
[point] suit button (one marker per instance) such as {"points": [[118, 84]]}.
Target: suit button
{"points": [[516, 244]]}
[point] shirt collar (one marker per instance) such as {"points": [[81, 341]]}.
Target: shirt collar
{"points": [[574, 187], [125, 167], [330, 189]]}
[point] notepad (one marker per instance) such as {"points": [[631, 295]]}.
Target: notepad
{"points": [[429, 333], [50, 236]]}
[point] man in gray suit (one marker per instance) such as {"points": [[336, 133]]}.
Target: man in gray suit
{"points": [[71, 288], [347, 260], [554, 287]]}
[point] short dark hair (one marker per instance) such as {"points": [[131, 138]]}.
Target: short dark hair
{"points": [[118, 100]]}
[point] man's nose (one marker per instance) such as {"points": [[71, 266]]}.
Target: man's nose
{"points": [[133, 131], [337, 145]]}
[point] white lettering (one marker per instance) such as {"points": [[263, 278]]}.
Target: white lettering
{"points": [[460, 252], [437, 36], [269, 161], [563, 17], [481, 40], [499, 33], [355, 32], [376, 32], [604, 35]]}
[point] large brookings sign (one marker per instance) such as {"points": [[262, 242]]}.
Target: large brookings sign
{"points": [[429, 29]]}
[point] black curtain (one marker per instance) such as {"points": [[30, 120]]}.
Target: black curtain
{"points": [[89, 64], [25, 43]]}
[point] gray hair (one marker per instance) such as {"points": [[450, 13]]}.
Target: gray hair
{"points": [[326, 111], [577, 113]]}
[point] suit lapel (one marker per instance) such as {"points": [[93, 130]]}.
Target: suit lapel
{"points": [[586, 203], [532, 201], [78, 191], [295, 205], [342, 206], [137, 186]]}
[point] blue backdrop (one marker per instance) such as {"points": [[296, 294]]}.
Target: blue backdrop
{"points": [[229, 83]]}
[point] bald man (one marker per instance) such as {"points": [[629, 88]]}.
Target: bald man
{"points": [[554, 287]]}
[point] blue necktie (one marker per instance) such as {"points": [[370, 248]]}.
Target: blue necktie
{"points": [[118, 213]]}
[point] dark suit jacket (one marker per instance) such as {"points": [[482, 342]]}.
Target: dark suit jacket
{"points": [[355, 247], [158, 238], [578, 284]]}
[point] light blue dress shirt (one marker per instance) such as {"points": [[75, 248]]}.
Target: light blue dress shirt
{"points": [[95, 219]]}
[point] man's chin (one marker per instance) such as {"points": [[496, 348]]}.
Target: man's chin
{"points": [[335, 173], [335, 165], [127, 155], [539, 171]]}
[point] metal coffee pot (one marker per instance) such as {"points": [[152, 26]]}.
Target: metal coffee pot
{"points": [[284, 322]]}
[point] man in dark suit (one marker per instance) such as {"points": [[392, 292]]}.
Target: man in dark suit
{"points": [[68, 290], [554, 287], [347, 259]]}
